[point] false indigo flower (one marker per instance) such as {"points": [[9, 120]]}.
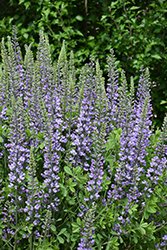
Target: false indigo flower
{"points": [[82, 136], [53, 140], [88, 231], [112, 91]]}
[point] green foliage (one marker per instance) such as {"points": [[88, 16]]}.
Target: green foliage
{"points": [[113, 144]]}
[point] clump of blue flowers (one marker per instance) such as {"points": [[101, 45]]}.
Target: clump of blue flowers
{"points": [[82, 167]]}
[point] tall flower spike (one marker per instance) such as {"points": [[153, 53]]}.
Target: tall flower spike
{"points": [[16, 59], [63, 78], [18, 158], [82, 83], [29, 73], [132, 92], [132, 161], [143, 91], [132, 155], [36, 119], [33, 193], [71, 105], [8, 220], [87, 240], [101, 99], [82, 136], [47, 222], [144, 84], [96, 173], [5, 83], [97, 163], [72, 67], [52, 150], [16, 47], [72, 115], [12, 72], [80, 98], [112, 90], [163, 147], [51, 82], [18, 153], [55, 74], [44, 67], [158, 162], [13, 64], [144, 133], [124, 109], [4, 103]]}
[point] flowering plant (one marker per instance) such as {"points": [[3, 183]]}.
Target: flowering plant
{"points": [[82, 166]]}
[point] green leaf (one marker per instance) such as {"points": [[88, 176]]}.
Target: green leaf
{"points": [[90, 38], [163, 102], [156, 56], [141, 230], [72, 189], [53, 228], [79, 18], [151, 210], [30, 227], [21, 1], [75, 228], [110, 144], [21, 232], [40, 136], [25, 35], [67, 234], [41, 146], [121, 240], [71, 201], [81, 179], [73, 184], [108, 246], [1, 139], [113, 4], [135, 239], [65, 192], [146, 215], [46, 13], [27, 4], [79, 33], [133, 209], [74, 237], [68, 170], [103, 17], [78, 220], [60, 239], [77, 170], [144, 225], [62, 231], [134, 8]]}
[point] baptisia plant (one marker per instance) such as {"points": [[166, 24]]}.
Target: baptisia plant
{"points": [[84, 166]]}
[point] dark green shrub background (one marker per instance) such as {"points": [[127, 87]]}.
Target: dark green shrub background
{"points": [[135, 29]]}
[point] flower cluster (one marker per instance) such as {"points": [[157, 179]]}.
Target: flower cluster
{"points": [[87, 232], [58, 129]]}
